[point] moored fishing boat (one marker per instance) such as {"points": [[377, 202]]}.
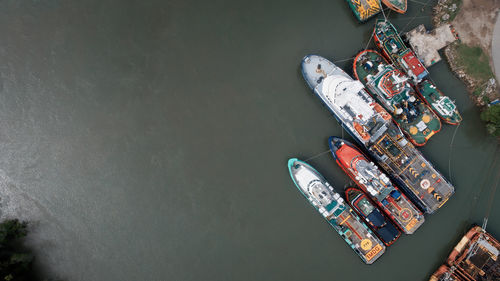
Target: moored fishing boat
{"points": [[442, 105], [391, 89], [386, 37], [399, 6], [372, 127], [364, 9], [333, 208], [373, 216], [376, 184]]}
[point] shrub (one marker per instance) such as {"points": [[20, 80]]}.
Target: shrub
{"points": [[492, 117]]}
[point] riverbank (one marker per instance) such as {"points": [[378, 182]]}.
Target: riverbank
{"points": [[470, 58]]}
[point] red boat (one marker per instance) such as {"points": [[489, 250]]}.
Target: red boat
{"points": [[377, 185]]}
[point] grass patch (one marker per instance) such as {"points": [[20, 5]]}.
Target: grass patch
{"points": [[454, 13], [446, 9], [475, 62], [492, 117], [478, 91]]}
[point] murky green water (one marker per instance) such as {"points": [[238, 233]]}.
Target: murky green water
{"points": [[148, 140]]}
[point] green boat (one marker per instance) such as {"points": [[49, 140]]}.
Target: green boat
{"points": [[364, 9], [442, 105], [392, 90], [386, 37]]}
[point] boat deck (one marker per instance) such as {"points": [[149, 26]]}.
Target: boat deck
{"points": [[364, 9], [368, 245], [377, 185], [391, 90], [405, 214], [396, 5], [315, 69], [334, 209], [475, 257], [411, 63], [411, 171], [366, 63], [375, 217], [388, 39], [442, 105]]}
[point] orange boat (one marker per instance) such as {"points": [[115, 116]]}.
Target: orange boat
{"points": [[475, 257], [396, 5], [375, 184]]}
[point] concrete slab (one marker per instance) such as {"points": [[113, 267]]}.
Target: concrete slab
{"points": [[426, 44]]}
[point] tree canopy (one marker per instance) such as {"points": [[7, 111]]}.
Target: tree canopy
{"points": [[15, 260]]}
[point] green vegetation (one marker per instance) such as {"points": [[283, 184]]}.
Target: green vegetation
{"points": [[475, 62], [449, 8], [492, 117], [453, 14], [15, 261], [478, 91]]}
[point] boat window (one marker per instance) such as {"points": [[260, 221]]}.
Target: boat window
{"points": [[338, 211], [365, 206]]}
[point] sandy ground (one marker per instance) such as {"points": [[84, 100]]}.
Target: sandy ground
{"points": [[495, 49], [475, 22]]}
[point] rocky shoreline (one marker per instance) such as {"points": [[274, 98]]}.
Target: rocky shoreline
{"points": [[470, 57], [481, 92], [474, 21]]}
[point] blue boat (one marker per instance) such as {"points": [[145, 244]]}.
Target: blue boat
{"points": [[378, 222], [334, 210]]}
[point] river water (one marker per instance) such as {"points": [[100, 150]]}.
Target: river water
{"points": [[148, 140]]}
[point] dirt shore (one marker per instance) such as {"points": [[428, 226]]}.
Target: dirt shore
{"points": [[495, 48], [474, 21]]}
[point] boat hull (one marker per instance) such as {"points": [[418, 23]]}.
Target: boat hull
{"points": [[475, 257], [390, 88], [429, 93], [371, 126], [375, 218], [364, 9], [332, 207], [398, 6], [387, 196], [387, 39]]}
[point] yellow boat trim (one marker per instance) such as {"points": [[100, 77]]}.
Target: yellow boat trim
{"points": [[345, 219]]}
